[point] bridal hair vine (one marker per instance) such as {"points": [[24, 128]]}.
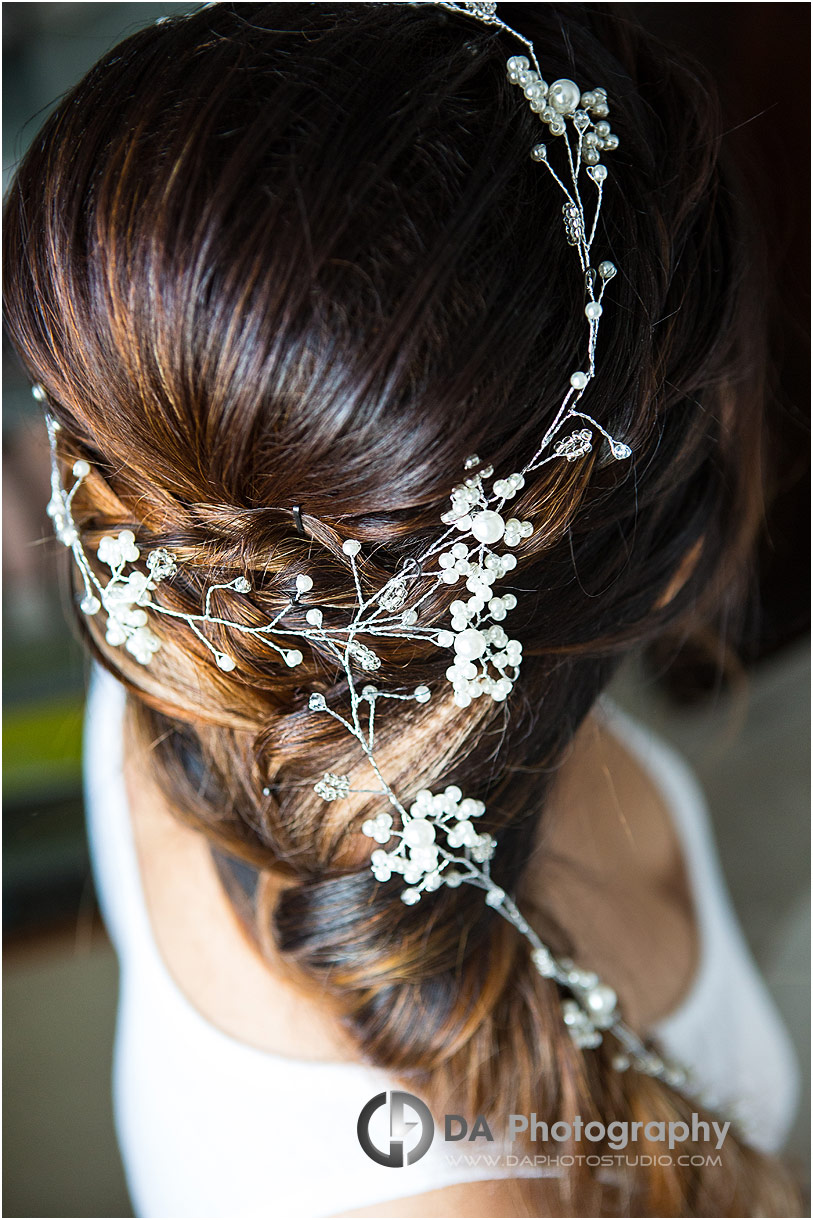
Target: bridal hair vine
{"points": [[431, 839]]}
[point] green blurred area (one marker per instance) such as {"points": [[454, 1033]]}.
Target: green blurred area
{"points": [[45, 858], [42, 747]]}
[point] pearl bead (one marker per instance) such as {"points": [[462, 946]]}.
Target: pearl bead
{"points": [[539, 152], [445, 639], [601, 1002], [598, 173], [293, 657], [449, 576], [487, 526], [544, 962], [460, 550], [38, 393], [593, 310], [90, 604], [225, 663], [607, 270], [314, 617], [602, 128], [564, 95], [579, 381], [470, 643], [423, 694], [509, 601], [557, 127], [81, 468], [303, 584], [351, 546], [419, 832], [611, 143]]}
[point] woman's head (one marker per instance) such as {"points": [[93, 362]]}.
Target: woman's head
{"points": [[293, 254]]}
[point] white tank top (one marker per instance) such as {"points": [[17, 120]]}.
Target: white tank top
{"points": [[210, 1126]]}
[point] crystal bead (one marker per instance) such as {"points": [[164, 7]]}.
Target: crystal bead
{"points": [[619, 450]]}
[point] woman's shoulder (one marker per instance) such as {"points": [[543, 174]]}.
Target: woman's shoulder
{"points": [[611, 869]]}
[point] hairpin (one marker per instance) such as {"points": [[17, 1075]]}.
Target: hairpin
{"points": [[297, 515], [435, 834]]}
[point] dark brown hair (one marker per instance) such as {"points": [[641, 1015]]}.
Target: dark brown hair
{"points": [[278, 255]]}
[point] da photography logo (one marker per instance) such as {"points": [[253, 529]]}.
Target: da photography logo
{"points": [[386, 1141]]}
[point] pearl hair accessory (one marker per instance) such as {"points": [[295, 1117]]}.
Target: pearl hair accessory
{"points": [[436, 839]]}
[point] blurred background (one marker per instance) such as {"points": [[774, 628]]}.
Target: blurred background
{"points": [[748, 739]]}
